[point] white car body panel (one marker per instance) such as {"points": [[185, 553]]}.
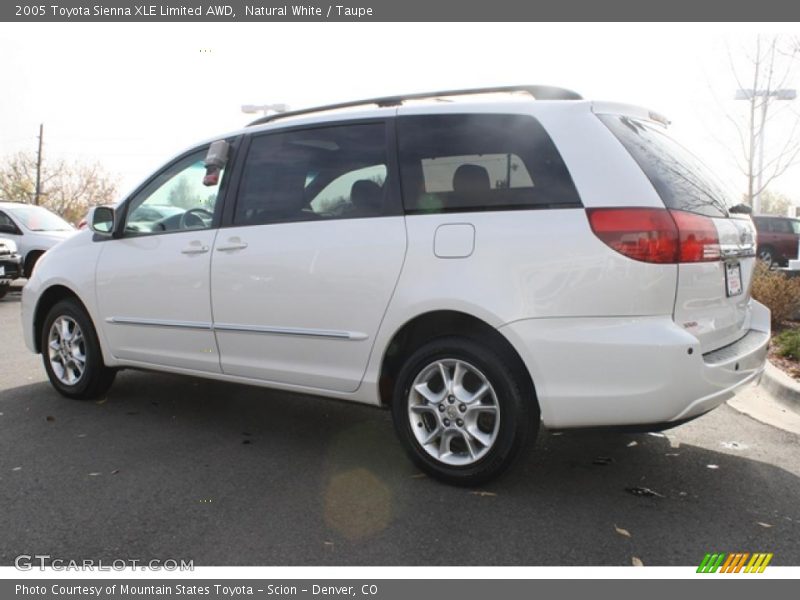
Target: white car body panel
{"points": [[317, 295], [72, 267], [312, 306], [153, 299]]}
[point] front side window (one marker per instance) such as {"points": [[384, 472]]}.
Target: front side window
{"points": [[337, 172], [6, 224], [469, 162], [176, 200]]}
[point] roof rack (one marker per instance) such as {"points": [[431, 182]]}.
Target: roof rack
{"points": [[538, 92]]}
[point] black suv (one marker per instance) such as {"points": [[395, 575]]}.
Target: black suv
{"points": [[9, 265]]}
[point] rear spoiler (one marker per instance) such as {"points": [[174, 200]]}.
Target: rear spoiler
{"points": [[630, 110]]}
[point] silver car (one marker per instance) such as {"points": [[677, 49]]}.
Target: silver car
{"points": [[34, 229]]}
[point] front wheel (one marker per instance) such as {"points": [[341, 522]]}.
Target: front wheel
{"points": [[71, 353], [461, 412]]}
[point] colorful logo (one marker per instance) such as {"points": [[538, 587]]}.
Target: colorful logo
{"points": [[735, 562]]}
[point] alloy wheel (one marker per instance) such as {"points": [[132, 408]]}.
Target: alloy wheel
{"points": [[67, 350], [454, 412]]}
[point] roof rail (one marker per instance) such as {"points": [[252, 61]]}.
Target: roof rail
{"points": [[538, 92]]}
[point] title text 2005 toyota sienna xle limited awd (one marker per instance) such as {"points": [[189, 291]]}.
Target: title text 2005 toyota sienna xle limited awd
{"points": [[475, 261]]}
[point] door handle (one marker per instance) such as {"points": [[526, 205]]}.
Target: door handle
{"points": [[195, 248], [233, 244]]}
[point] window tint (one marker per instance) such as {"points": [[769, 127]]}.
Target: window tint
{"points": [[480, 162], [7, 222], [316, 174], [682, 181], [782, 226], [176, 200]]}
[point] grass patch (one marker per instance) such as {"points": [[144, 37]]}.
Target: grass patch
{"points": [[787, 344]]}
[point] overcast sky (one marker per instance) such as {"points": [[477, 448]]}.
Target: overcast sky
{"points": [[132, 95]]}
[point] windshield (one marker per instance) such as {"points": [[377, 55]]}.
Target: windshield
{"points": [[37, 218]]}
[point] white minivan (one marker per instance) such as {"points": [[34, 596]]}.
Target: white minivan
{"points": [[477, 261]]}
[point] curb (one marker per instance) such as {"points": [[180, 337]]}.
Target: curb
{"points": [[782, 387]]}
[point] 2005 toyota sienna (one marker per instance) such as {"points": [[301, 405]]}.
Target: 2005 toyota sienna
{"points": [[477, 261]]}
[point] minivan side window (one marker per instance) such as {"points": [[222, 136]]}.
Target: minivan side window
{"points": [[682, 181], [782, 226], [335, 172], [471, 162], [175, 200]]}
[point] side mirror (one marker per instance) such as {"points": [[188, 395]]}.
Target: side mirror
{"points": [[101, 220], [741, 209]]}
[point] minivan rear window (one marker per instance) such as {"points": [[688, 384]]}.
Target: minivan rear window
{"points": [[682, 181], [475, 162]]}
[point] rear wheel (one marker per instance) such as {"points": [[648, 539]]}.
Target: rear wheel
{"points": [[461, 413], [767, 256], [4, 287], [71, 353]]}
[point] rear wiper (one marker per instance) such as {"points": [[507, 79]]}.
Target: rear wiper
{"points": [[741, 209]]}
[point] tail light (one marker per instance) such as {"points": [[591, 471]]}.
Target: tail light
{"points": [[699, 237], [656, 235]]}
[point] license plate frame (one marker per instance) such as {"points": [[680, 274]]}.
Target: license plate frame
{"points": [[733, 279]]}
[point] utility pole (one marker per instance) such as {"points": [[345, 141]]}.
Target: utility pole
{"points": [[39, 167]]}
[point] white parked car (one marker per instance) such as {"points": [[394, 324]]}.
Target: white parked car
{"points": [[34, 229], [474, 265]]}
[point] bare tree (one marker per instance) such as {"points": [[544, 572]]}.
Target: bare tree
{"points": [[69, 189], [775, 203], [762, 77]]}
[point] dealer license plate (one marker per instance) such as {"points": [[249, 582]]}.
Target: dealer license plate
{"points": [[733, 278]]}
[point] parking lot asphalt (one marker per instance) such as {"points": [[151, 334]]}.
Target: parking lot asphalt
{"points": [[170, 467]]}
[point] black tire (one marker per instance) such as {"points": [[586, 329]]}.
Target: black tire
{"points": [[30, 263], [518, 410], [96, 377], [767, 256], [4, 290]]}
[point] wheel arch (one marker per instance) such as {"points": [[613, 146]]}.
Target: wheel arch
{"points": [[49, 298], [440, 323], [29, 262]]}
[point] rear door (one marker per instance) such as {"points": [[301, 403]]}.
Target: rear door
{"points": [[785, 238], [712, 299], [303, 274]]}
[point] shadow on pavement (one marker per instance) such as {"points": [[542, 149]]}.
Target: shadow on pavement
{"points": [[175, 467]]}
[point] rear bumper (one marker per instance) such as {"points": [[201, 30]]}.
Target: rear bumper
{"points": [[618, 371]]}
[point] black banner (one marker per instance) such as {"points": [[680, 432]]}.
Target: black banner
{"points": [[730, 588], [395, 10]]}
